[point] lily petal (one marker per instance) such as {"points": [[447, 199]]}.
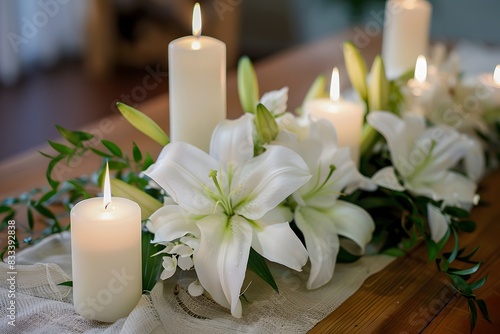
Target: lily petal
{"points": [[386, 177], [182, 170], [400, 134], [266, 180], [474, 159], [171, 222], [322, 244], [232, 141], [278, 243], [275, 101], [222, 257], [453, 188], [438, 223], [354, 223]]}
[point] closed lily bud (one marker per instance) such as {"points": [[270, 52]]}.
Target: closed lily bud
{"points": [[248, 87], [265, 124], [147, 203], [378, 90], [356, 69], [143, 123]]}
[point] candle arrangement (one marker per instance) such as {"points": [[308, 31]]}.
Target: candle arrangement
{"points": [[226, 196]]}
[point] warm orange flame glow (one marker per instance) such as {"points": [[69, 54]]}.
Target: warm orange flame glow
{"points": [[335, 85], [421, 69], [496, 75], [106, 200], [196, 20]]}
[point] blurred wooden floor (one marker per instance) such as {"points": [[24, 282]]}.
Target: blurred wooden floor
{"points": [[68, 97]]}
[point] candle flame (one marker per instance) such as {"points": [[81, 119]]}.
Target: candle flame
{"points": [[335, 85], [496, 75], [106, 201], [421, 69], [197, 20]]}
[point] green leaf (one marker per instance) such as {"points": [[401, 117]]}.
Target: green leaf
{"points": [[67, 283], [113, 148], [248, 86], [394, 251], [265, 124], [117, 165], [31, 221], [70, 136], [60, 147], [484, 310], [472, 314], [148, 161], [456, 212], [143, 123], [46, 196], [136, 152], [46, 155], [454, 253], [460, 285], [151, 265], [83, 136], [258, 265], [44, 211], [468, 271], [356, 69], [147, 203], [467, 225], [433, 248], [479, 283], [100, 153], [4, 208], [48, 174], [378, 90]]}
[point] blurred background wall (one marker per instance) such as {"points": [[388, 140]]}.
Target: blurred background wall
{"points": [[67, 61]]}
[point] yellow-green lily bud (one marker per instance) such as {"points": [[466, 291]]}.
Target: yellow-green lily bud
{"points": [[248, 86], [378, 90], [356, 69], [147, 203], [143, 123], [265, 124], [316, 91]]}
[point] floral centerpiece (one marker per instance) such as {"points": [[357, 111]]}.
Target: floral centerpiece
{"points": [[276, 186]]}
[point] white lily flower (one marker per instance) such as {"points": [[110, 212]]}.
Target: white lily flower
{"points": [[228, 200], [275, 101], [320, 216], [438, 222], [195, 289], [422, 158]]}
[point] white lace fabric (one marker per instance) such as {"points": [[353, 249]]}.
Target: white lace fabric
{"points": [[43, 306]]}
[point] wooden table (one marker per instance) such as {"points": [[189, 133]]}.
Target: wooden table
{"points": [[409, 296]]}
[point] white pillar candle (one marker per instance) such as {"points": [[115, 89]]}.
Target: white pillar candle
{"points": [[106, 256], [197, 85], [419, 89], [490, 91], [346, 116], [406, 34]]}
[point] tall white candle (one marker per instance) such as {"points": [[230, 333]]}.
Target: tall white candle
{"points": [[406, 34], [346, 116], [197, 85], [106, 256], [491, 88]]}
